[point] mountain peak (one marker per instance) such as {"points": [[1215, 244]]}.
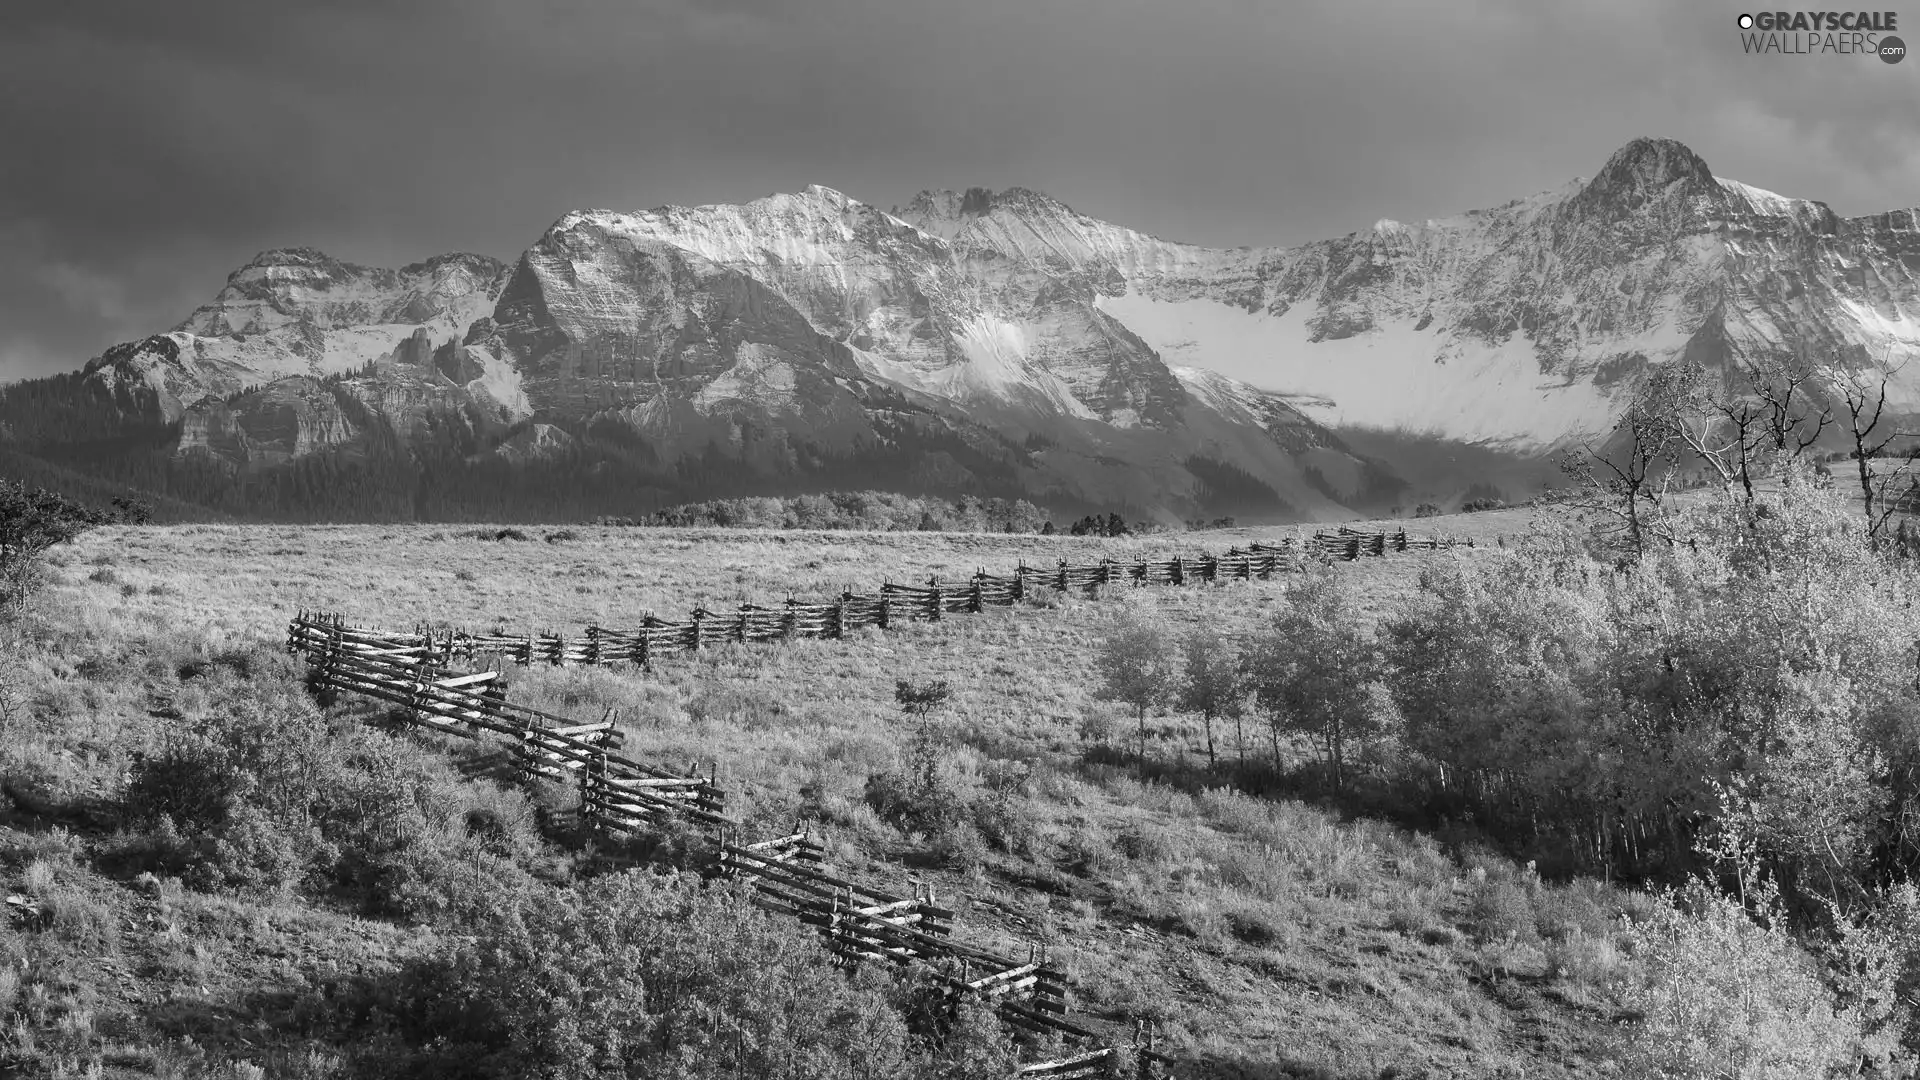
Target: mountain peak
{"points": [[945, 212], [1648, 169], [290, 257], [832, 195], [480, 264]]}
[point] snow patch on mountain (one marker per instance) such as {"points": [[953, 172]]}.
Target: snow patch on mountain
{"points": [[498, 382], [760, 376], [1392, 377]]}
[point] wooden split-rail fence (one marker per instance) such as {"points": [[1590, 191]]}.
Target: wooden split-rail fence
{"points": [[894, 603], [619, 796]]}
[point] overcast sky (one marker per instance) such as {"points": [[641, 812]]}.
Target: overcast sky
{"points": [[147, 149]]}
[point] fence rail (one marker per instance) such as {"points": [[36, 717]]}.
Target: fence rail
{"points": [[893, 603], [620, 795]]}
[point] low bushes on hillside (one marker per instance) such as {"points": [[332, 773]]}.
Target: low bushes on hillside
{"points": [[252, 789], [643, 974], [32, 522]]}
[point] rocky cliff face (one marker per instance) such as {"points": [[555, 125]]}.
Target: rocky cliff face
{"points": [[1524, 324], [1005, 338]]}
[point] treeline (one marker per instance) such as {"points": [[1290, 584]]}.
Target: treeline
{"points": [[444, 468], [885, 511], [876, 511]]}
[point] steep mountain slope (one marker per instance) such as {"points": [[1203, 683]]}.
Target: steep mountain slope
{"points": [[997, 343], [1523, 325]]}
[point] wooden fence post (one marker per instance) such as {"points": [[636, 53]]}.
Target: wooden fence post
{"points": [[790, 620], [699, 615], [973, 602], [1020, 582], [1062, 580], [330, 652], [1179, 570], [740, 628], [886, 608], [593, 646], [933, 583], [840, 617], [417, 691]]}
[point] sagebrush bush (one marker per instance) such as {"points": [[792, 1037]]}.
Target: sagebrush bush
{"points": [[916, 803], [252, 789], [1500, 909], [1721, 996], [643, 974]]}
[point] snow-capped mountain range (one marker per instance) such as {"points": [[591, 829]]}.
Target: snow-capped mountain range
{"points": [[1004, 340]]}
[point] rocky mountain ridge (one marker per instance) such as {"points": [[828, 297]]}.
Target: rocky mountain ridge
{"points": [[1007, 344]]}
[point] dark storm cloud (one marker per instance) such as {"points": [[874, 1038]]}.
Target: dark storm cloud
{"points": [[147, 149]]}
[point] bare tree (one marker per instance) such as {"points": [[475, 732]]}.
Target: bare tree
{"points": [[1776, 411], [1722, 429], [1785, 387], [1865, 398], [1633, 488]]}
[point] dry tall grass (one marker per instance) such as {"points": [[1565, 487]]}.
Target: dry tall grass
{"points": [[1267, 938]]}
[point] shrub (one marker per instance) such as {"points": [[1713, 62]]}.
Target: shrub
{"points": [[32, 521], [253, 791], [959, 846], [1500, 910], [915, 802], [1719, 995], [642, 974], [1426, 510], [1144, 843]]}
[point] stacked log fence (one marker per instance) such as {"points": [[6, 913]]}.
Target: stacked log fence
{"points": [[893, 603], [620, 796]]}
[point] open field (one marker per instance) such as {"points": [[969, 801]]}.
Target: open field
{"points": [[248, 579], [1266, 938]]}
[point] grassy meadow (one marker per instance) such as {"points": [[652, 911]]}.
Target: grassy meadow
{"points": [[245, 579], [1265, 936]]}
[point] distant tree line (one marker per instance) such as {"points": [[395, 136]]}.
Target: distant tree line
{"points": [[877, 511], [1100, 525]]}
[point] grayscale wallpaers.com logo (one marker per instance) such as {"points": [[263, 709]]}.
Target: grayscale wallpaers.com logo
{"points": [[1832, 33]]}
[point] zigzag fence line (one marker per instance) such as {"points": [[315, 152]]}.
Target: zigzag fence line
{"points": [[619, 795], [893, 603]]}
